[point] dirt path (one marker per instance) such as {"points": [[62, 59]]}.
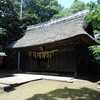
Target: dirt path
{"points": [[53, 90]]}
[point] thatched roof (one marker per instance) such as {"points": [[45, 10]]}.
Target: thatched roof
{"points": [[53, 31]]}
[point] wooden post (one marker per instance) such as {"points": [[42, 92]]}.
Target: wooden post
{"points": [[18, 65], [56, 63], [31, 63], [76, 62], [48, 62]]}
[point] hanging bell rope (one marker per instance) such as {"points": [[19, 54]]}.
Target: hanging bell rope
{"points": [[44, 54]]}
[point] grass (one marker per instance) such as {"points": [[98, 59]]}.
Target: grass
{"points": [[68, 94]]}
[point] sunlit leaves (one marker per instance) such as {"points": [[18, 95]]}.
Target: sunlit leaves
{"points": [[94, 17], [96, 51]]}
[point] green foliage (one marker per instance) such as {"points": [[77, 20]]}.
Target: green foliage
{"points": [[9, 20], [39, 10], [96, 51], [75, 7], [14, 29], [94, 16], [1, 32], [30, 19], [6, 6], [62, 13]]}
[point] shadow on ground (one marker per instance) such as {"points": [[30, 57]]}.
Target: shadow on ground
{"points": [[68, 94], [3, 75], [91, 78]]}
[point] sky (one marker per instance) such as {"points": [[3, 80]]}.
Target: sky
{"points": [[67, 3]]}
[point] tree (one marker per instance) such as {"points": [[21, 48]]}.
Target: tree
{"points": [[6, 7], [94, 17], [10, 22], [96, 51], [39, 10], [62, 13], [75, 7]]}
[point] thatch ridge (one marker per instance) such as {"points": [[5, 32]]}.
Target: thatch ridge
{"points": [[51, 22]]}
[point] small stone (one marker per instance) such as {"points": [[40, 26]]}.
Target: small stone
{"points": [[69, 81], [98, 82], [98, 87]]}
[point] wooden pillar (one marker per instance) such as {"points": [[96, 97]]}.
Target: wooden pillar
{"points": [[31, 63], [18, 63], [76, 61], [56, 63], [48, 62]]}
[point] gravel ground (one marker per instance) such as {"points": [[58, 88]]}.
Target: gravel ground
{"points": [[53, 90]]}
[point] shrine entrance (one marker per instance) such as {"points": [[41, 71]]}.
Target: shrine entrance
{"points": [[42, 63]]}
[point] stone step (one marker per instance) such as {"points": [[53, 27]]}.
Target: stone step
{"points": [[4, 87]]}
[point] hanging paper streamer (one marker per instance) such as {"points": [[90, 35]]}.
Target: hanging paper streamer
{"points": [[44, 54]]}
